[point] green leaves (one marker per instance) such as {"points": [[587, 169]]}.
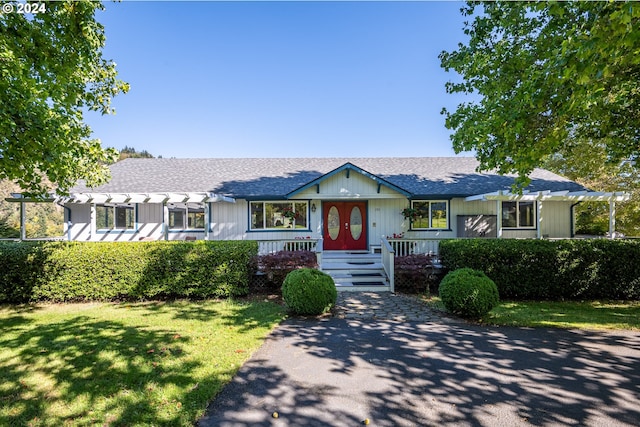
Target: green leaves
{"points": [[51, 69], [546, 72]]}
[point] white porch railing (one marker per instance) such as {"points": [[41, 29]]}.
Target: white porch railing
{"points": [[404, 246], [272, 246], [388, 261]]}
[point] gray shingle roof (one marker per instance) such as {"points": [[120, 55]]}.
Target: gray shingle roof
{"points": [[253, 177]]}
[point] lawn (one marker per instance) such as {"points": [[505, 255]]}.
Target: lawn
{"points": [[566, 314], [139, 364]]}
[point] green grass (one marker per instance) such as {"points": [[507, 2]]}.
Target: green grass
{"points": [[123, 364], [575, 315]]}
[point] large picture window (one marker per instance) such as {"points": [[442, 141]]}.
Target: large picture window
{"points": [[278, 215], [518, 215], [432, 215], [186, 217], [115, 217]]}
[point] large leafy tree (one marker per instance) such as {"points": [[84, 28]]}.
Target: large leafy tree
{"points": [[588, 165], [51, 71], [548, 76]]}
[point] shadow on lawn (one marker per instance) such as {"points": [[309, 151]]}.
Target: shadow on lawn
{"points": [[405, 374], [81, 364], [241, 314]]}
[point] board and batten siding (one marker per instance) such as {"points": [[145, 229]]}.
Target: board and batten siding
{"points": [[80, 217], [356, 187], [230, 221]]}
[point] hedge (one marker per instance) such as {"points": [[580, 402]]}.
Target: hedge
{"points": [[83, 271], [277, 266], [551, 269]]}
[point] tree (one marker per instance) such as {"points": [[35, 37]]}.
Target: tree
{"points": [[128, 152], [548, 75], [51, 70], [587, 164]]}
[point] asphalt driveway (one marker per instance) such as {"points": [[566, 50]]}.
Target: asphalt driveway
{"points": [[339, 372]]}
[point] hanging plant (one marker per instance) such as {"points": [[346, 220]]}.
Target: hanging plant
{"points": [[410, 213]]}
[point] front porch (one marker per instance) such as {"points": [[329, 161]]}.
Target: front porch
{"points": [[357, 270]]}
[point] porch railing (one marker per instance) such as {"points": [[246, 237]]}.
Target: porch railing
{"points": [[403, 247], [272, 246], [388, 261]]}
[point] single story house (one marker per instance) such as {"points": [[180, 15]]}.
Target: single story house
{"points": [[402, 205]]}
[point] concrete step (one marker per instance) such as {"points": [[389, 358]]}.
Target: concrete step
{"points": [[351, 266], [362, 286], [355, 270], [352, 258]]}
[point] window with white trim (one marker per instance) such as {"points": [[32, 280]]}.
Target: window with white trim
{"points": [[278, 215], [115, 217], [432, 215], [186, 216], [519, 214]]}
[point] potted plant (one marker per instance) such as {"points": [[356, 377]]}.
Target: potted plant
{"points": [[289, 213]]}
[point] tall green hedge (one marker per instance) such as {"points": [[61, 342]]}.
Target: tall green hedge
{"points": [[551, 269], [78, 271]]}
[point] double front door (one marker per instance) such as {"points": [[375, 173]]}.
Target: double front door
{"points": [[345, 225]]}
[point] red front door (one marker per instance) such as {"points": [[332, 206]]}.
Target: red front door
{"points": [[345, 225]]}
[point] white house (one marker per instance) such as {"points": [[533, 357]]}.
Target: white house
{"points": [[350, 203], [323, 204]]}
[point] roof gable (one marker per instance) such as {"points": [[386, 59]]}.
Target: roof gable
{"points": [[347, 168]]}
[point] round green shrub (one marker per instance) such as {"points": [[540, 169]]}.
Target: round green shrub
{"points": [[309, 291], [468, 293]]}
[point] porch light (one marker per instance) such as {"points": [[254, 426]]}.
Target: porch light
{"points": [[313, 207]]}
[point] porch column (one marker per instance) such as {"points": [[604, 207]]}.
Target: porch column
{"points": [[165, 219], [612, 218], [539, 218], [499, 218], [23, 222], [92, 219], [207, 218]]}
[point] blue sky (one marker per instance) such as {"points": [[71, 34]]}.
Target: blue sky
{"points": [[280, 79]]}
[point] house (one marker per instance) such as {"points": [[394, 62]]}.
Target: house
{"points": [[324, 204]]}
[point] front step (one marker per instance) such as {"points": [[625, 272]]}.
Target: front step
{"points": [[355, 270]]}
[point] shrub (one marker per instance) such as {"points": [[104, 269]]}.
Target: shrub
{"points": [[309, 291], [81, 271], [277, 266], [468, 293], [21, 265], [551, 270], [414, 273]]}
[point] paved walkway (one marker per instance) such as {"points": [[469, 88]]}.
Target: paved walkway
{"points": [[384, 306]]}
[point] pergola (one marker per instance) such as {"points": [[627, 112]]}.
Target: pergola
{"points": [[558, 196], [119, 198]]}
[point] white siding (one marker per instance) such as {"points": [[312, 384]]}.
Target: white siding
{"points": [[229, 221], [80, 222], [385, 218], [150, 221]]}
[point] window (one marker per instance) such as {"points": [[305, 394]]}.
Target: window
{"points": [[186, 217], [433, 214], [115, 217], [278, 215], [518, 215]]}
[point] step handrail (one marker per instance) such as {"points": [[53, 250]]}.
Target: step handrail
{"points": [[388, 261]]}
